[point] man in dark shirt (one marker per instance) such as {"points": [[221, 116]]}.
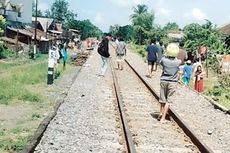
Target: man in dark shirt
{"points": [[103, 50], [152, 56]]}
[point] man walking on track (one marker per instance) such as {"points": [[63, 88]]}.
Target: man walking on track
{"points": [[168, 79], [103, 50], [121, 53], [152, 57], [159, 53]]}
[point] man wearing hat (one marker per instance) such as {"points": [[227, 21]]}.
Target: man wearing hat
{"points": [[187, 71], [169, 78]]}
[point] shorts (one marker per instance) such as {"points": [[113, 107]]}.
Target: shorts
{"points": [[151, 62], [120, 58], [181, 69], [166, 92], [186, 80]]}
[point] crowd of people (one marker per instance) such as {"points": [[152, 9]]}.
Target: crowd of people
{"points": [[187, 70], [175, 68], [103, 50], [174, 63]]}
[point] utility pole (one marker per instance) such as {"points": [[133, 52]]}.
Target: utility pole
{"points": [[35, 30]]}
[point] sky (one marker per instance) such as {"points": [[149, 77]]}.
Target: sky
{"points": [[104, 13]]}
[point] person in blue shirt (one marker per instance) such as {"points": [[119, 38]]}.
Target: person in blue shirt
{"points": [[152, 51], [64, 54], [187, 73]]}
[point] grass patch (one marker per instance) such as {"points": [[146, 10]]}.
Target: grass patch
{"points": [[14, 140], [13, 145], [216, 91], [23, 87], [2, 132], [140, 49], [13, 83], [35, 116]]}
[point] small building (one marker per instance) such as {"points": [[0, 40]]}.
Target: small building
{"points": [[26, 36], [225, 30], [17, 12], [175, 35], [44, 24]]}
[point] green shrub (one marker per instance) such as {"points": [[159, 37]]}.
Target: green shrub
{"points": [[35, 116], [2, 132], [13, 145], [217, 91], [29, 97], [14, 84], [224, 80], [4, 51]]}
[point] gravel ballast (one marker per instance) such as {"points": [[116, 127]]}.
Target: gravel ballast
{"points": [[210, 124], [86, 121], [149, 135]]}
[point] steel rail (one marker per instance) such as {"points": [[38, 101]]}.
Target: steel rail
{"points": [[182, 124], [125, 126]]}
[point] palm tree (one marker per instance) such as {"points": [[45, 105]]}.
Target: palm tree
{"points": [[142, 21], [140, 9]]}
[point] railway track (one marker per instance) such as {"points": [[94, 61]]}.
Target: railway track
{"points": [[137, 117], [139, 106]]}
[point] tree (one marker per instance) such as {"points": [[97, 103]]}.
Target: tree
{"points": [[39, 12], [139, 10], [86, 28], [2, 27], [61, 13], [160, 34], [204, 35], [125, 32], [114, 30], [48, 14], [142, 22], [171, 26], [2, 24]]}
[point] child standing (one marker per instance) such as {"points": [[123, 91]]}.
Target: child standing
{"points": [[169, 78], [187, 72], [199, 75]]}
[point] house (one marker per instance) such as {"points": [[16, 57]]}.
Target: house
{"points": [[175, 35], [17, 12], [225, 30], [44, 24]]}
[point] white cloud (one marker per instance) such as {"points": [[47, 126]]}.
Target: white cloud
{"points": [[163, 12], [43, 6], [127, 3], [86, 12], [198, 14], [160, 3], [98, 18]]}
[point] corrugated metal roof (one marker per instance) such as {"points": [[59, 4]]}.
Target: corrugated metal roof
{"points": [[22, 31], [30, 32], [225, 29], [45, 22], [12, 41]]}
